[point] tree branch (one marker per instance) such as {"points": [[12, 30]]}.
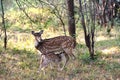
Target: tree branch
{"points": [[56, 13], [19, 5]]}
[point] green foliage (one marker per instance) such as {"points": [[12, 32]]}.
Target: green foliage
{"points": [[8, 5], [112, 66], [86, 57], [41, 18]]}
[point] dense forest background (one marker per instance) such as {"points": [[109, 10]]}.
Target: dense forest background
{"points": [[95, 24]]}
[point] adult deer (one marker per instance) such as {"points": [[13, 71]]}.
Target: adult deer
{"points": [[64, 44]]}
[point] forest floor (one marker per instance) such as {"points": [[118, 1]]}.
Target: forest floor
{"points": [[21, 60]]}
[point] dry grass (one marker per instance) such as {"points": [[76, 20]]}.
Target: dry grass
{"points": [[20, 61]]}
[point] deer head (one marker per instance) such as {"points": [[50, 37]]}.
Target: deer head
{"points": [[37, 35]]}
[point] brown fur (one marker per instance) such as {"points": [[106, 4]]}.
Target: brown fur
{"points": [[48, 47]]}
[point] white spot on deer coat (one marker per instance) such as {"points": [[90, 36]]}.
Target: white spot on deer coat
{"points": [[36, 43]]}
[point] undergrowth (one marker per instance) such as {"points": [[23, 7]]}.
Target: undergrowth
{"points": [[21, 61]]}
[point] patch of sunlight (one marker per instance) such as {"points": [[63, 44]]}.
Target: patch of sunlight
{"points": [[49, 34], [21, 41], [111, 50], [80, 38], [34, 10], [117, 60], [101, 38]]}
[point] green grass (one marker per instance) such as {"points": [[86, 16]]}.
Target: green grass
{"points": [[20, 61]]}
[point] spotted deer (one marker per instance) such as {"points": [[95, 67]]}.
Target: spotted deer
{"points": [[52, 48], [52, 58]]}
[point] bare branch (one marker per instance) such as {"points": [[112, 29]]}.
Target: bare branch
{"points": [[56, 12], [19, 5]]}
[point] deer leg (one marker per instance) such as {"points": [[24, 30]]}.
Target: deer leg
{"points": [[43, 63], [69, 51], [73, 56], [65, 59], [41, 60]]}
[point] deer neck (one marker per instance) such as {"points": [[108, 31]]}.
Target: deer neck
{"points": [[38, 43]]}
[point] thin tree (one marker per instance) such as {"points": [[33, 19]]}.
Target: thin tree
{"points": [[106, 12], [3, 23], [88, 24]]}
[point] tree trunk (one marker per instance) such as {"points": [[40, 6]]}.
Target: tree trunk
{"points": [[71, 20], [88, 29], [3, 22]]}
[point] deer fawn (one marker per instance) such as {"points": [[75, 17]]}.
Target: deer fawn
{"points": [[49, 48], [52, 58]]}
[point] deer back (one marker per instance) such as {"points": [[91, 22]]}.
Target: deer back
{"points": [[56, 44]]}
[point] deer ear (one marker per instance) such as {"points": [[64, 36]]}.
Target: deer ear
{"points": [[32, 32], [41, 31]]}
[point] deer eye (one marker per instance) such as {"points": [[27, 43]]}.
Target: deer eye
{"points": [[32, 32]]}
